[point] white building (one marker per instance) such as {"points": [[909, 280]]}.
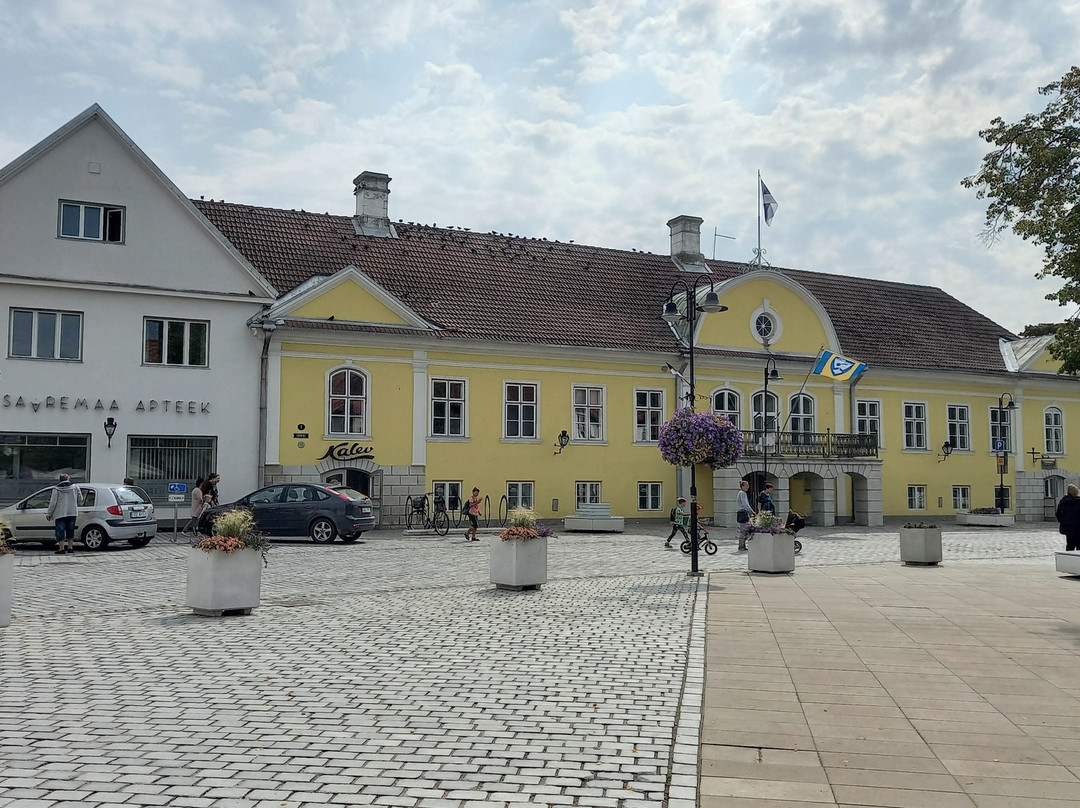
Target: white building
{"points": [[121, 305]]}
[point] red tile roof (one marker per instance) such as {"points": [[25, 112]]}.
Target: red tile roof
{"points": [[490, 286]]}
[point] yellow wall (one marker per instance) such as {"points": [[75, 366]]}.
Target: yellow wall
{"points": [[348, 301], [802, 330]]}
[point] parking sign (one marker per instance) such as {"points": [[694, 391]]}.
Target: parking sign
{"points": [[999, 446]]}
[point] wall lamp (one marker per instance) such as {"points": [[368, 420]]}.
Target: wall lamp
{"points": [[110, 429], [564, 438], [946, 450]]}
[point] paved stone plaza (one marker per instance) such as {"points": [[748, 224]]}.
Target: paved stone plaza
{"points": [[392, 673]]}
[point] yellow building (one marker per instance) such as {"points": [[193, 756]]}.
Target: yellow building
{"points": [[406, 359]]}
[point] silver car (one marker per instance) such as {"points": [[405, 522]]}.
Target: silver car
{"points": [[107, 512]]}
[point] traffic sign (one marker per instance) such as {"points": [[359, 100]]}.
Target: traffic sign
{"points": [[177, 488], [999, 446], [177, 497]]}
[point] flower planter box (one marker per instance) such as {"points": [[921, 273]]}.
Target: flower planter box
{"points": [[920, 546], [985, 519], [7, 583], [220, 582], [771, 552], [1067, 561], [518, 563]]}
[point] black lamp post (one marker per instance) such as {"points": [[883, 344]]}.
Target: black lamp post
{"points": [[771, 375], [1003, 457], [710, 304]]}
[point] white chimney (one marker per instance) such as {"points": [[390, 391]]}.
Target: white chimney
{"points": [[372, 219], [686, 240]]}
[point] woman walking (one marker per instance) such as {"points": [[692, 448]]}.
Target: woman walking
{"points": [[192, 526]]}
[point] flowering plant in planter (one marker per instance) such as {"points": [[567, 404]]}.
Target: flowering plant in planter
{"points": [[523, 526], [766, 522], [6, 547], [234, 530], [986, 511], [690, 438]]}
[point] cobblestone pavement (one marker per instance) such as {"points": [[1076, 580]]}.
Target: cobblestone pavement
{"points": [[388, 672]]}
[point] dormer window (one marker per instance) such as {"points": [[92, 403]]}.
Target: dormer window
{"points": [[92, 222]]}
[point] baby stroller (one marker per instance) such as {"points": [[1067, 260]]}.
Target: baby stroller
{"points": [[794, 524]]}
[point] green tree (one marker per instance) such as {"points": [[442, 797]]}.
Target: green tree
{"points": [[1032, 179]]}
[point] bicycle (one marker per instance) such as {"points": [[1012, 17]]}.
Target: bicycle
{"points": [[418, 516], [704, 542]]}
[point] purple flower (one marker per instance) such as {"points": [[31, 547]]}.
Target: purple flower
{"points": [[692, 437]]}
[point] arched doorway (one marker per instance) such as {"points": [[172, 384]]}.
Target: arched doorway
{"points": [[355, 479]]}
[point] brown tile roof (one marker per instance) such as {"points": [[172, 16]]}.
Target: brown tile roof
{"points": [[490, 286]]}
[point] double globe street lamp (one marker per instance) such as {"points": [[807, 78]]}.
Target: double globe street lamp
{"points": [[771, 375], [1002, 446], [710, 305]]}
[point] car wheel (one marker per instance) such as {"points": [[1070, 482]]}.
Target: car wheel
{"points": [[322, 531], [94, 538], [139, 542]]}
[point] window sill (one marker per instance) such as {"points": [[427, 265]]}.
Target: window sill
{"points": [[449, 438], [44, 359], [356, 438], [180, 367], [587, 443], [505, 439], [652, 443]]}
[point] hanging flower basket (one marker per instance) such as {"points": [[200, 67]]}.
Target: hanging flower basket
{"points": [[690, 438]]}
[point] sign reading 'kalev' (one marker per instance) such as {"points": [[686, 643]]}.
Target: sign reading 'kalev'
{"points": [[349, 451]]}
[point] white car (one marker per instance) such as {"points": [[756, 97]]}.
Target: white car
{"points": [[107, 512]]}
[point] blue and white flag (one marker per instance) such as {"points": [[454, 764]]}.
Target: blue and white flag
{"points": [[838, 368], [768, 201]]}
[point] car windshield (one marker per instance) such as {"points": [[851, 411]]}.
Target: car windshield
{"points": [[350, 493], [130, 495]]}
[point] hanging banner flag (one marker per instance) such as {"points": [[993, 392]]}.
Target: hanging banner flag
{"points": [[769, 203], [838, 368]]}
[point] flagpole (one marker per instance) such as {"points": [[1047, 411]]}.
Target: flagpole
{"points": [[802, 389], [760, 203]]}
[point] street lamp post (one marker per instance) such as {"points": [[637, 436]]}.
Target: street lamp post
{"points": [[672, 315], [1003, 456], [771, 375]]}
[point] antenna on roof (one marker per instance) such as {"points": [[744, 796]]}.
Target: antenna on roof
{"points": [[715, 235]]}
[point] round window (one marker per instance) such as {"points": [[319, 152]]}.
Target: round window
{"points": [[764, 326]]}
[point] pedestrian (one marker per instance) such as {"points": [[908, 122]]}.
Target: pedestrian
{"points": [[680, 518], [64, 508], [743, 512], [192, 526], [1068, 516], [765, 500], [129, 481], [212, 481], [473, 512]]}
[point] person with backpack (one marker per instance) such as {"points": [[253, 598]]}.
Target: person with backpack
{"points": [[680, 518]]}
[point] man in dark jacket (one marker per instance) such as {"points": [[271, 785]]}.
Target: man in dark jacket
{"points": [[1068, 516]]}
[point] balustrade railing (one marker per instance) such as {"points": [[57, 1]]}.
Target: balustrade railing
{"points": [[808, 444]]}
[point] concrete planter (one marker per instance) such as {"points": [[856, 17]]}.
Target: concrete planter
{"points": [[985, 519], [771, 552], [7, 583], [920, 545], [1068, 562], [219, 582], [519, 563]]}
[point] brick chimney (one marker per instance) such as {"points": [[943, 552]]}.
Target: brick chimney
{"points": [[372, 219], [686, 240]]}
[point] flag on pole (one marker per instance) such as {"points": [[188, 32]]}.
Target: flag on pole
{"points": [[768, 201], [838, 368]]}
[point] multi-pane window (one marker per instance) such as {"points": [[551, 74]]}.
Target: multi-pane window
{"points": [[588, 493], [348, 402], [914, 425], [37, 334], [959, 424], [589, 413], [448, 492], [448, 407], [764, 326], [1000, 429], [91, 222], [1053, 431], [727, 403], [1002, 497], [520, 410], [765, 411], [649, 497], [961, 497], [519, 495], [802, 416], [175, 342], [916, 497], [868, 418], [648, 414]]}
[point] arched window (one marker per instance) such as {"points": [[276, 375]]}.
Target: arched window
{"points": [[802, 418], [347, 402], [766, 411], [728, 404], [1053, 431]]}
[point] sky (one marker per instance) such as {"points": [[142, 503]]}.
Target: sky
{"points": [[588, 121]]}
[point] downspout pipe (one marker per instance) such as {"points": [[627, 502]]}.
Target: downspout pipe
{"points": [[268, 328]]}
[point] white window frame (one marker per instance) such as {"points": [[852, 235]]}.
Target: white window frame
{"points": [[915, 420], [759, 418], [365, 415], [588, 492], [518, 498], [445, 488], [652, 412], [448, 399], [864, 418], [916, 497], [166, 323], [777, 324], [961, 497], [522, 406], [1053, 434], [958, 429], [35, 333], [796, 416], [101, 212], [996, 429], [651, 494], [585, 410], [733, 414]]}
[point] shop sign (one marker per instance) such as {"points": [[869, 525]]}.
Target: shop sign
{"points": [[349, 451], [73, 403]]}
